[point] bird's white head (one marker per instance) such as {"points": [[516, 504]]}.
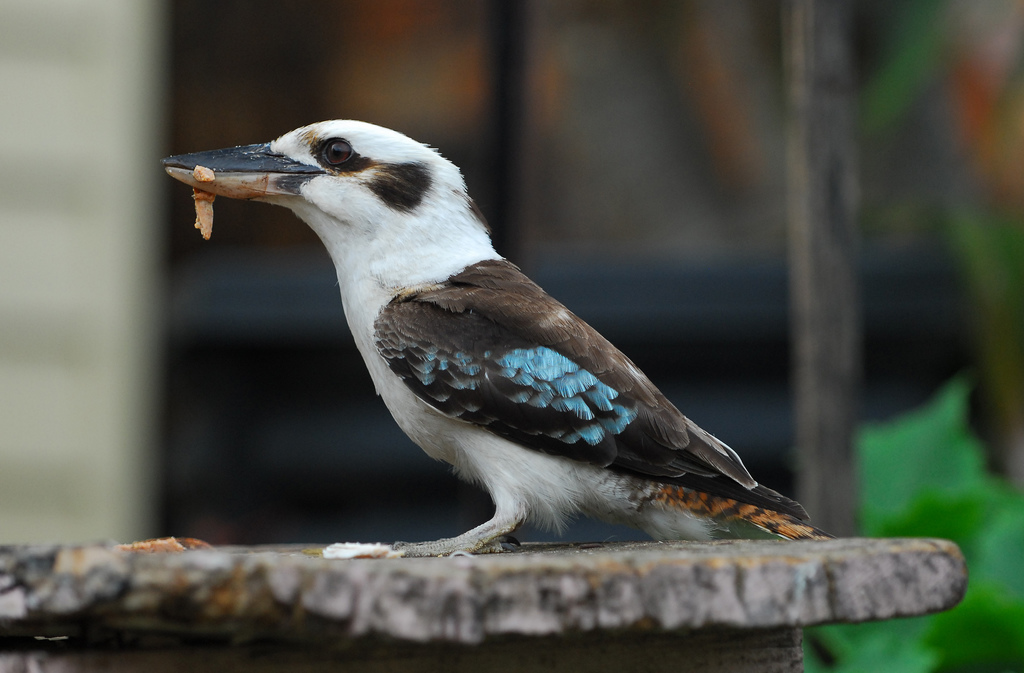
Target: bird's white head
{"points": [[390, 210]]}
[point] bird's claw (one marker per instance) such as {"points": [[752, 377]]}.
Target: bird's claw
{"points": [[502, 544]]}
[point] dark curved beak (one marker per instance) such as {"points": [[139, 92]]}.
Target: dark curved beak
{"points": [[244, 172]]}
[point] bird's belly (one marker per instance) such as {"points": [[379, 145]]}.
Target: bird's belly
{"points": [[428, 428]]}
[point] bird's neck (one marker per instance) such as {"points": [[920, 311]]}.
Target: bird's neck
{"points": [[376, 263]]}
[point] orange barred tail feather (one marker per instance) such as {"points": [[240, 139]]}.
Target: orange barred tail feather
{"points": [[783, 525], [727, 511]]}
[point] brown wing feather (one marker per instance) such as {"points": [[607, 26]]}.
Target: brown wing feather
{"points": [[499, 291]]}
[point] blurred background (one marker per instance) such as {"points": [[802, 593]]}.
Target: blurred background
{"points": [[629, 155]]}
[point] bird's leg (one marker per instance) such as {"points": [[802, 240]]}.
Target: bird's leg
{"points": [[484, 539]]}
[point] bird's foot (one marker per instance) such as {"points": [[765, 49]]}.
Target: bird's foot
{"points": [[457, 545], [492, 537], [445, 547]]}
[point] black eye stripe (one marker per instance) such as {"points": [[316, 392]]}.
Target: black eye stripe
{"points": [[401, 186]]}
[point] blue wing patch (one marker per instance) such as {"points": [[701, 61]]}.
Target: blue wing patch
{"points": [[473, 370], [555, 381]]}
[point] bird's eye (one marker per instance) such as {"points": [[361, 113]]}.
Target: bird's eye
{"points": [[336, 152]]}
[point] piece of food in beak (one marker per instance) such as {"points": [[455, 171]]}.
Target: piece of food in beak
{"points": [[204, 211], [203, 174], [246, 172], [204, 201]]}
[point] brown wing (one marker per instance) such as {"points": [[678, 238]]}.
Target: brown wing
{"points": [[491, 347]]}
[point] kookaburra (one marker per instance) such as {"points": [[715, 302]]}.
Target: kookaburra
{"points": [[481, 367]]}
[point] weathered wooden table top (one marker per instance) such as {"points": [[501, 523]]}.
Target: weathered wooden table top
{"points": [[288, 594]]}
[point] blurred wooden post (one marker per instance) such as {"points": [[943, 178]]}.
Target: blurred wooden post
{"points": [[824, 296]]}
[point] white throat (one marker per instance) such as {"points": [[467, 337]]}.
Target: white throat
{"points": [[410, 251], [375, 262]]}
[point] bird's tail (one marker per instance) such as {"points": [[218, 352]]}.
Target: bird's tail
{"points": [[736, 516], [783, 525]]}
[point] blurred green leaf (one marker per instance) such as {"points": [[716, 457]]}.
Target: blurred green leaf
{"points": [[924, 475], [914, 46], [990, 253], [987, 628], [990, 249], [1000, 549], [883, 652], [895, 645], [935, 514], [927, 451]]}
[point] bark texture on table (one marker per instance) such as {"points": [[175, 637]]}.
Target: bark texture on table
{"points": [[546, 590]]}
